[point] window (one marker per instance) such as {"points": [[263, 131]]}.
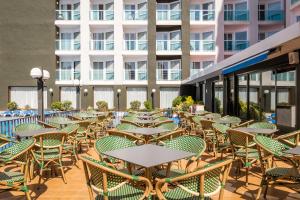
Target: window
{"points": [[103, 70], [136, 70], [207, 64], [169, 70], [298, 18]]}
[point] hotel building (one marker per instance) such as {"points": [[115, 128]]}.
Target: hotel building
{"points": [[125, 50]]}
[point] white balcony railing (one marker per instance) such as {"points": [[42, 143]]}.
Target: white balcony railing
{"points": [[68, 45], [194, 71], [168, 45], [102, 45], [202, 15], [135, 45], [67, 75], [202, 45], [102, 15], [101, 75], [135, 15], [164, 15], [135, 75], [67, 15], [168, 74]]}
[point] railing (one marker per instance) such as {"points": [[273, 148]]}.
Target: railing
{"points": [[294, 1], [68, 45], [168, 74], [102, 45], [202, 45], [270, 15], [236, 15], [168, 45], [67, 75], [202, 15], [132, 45], [135, 75], [194, 71], [164, 15], [101, 75], [102, 15], [235, 45], [67, 15], [135, 15]]}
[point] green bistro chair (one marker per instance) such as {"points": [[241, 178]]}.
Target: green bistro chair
{"points": [[162, 138], [264, 125], [109, 183], [192, 144], [55, 121], [200, 184], [4, 140], [126, 126], [83, 134], [161, 119], [212, 116], [195, 124], [48, 151], [269, 149], [28, 127], [291, 139], [130, 118], [221, 139], [234, 119], [70, 145], [243, 148], [137, 140], [110, 143], [169, 126], [18, 153]]}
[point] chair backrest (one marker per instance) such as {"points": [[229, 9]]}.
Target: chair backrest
{"points": [[70, 129], [240, 139], [84, 124], [192, 144], [196, 119], [206, 124], [28, 127], [130, 118], [168, 136], [203, 182], [237, 120], [18, 151], [292, 139], [50, 140], [124, 134], [270, 145], [110, 143], [213, 116], [265, 125], [103, 178], [125, 127], [169, 126], [4, 140], [220, 128]]}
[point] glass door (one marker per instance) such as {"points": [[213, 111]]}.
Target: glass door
{"points": [[228, 12], [109, 11], [261, 12], [228, 41], [208, 11], [175, 9], [98, 41], [109, 40], [142, 41], [175, 38], [130, 39], [142, 11]]}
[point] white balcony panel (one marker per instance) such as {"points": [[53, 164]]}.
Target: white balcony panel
{"points": [[167, 95], [69, 94], [104, 94], [139, 94]]}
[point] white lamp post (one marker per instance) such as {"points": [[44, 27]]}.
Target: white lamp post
{"points": [[152, 95], [40, 75], [76, 83], [118, 95]]}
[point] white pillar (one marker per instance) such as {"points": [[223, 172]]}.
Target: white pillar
{"points": [[219, 30]]}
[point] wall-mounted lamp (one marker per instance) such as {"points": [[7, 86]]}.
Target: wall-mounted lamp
{"points": [[118, 96], [152, 96], [266, 91], [51, 91], [85, 92]]}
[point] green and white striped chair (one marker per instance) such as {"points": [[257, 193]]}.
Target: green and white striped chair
{"points": [[291, 139], [200, 184], [70, 145], [221, 140], [126, 127], [264, 125], [169, 126], [108, 183], [269, 149], [18, 153], [28, 127]]}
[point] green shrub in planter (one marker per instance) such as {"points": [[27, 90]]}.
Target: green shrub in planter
{"points": [[12, 105], [177, 101], [135, 105], [148, 105], [67, 105], [102, 106], [57, 105]]}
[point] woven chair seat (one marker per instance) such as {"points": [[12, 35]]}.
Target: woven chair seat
{"points": [[48, 154], [125, 192], [11, 177], [282, 171], [68, 146], [173, 173], [252, 153]]}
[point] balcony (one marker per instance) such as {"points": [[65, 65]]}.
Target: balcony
{"points": [[67, 15], [102, 45], [235, 45], [236, 15], [67, 75], [130, 15], [168, 74], [135, 75], [270, 15], [202, 15], [168, 45], [102, 15], [202, 45], [194, 71], [68, 45], [166, 15], [136, 45], [101, 75]]}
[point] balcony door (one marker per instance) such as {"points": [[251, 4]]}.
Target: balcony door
{"points": [[208, 40], [207, 11], [195, 41], [66, 41], [261, 12], [241, 11], [98, 12], [98, 41], [130, 39], [274, 9], [228, 39], [228, 12], [130, 71], [109, 7], [241, 40], [142, 7], [175, 8], [163, 70], [175, 37], [76, 7], [142, 40], [175, 71], [130, 11]]}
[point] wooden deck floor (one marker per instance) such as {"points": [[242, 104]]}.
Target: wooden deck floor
{"points": [[55, 189]]}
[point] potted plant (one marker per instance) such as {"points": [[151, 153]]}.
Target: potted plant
{"points": [[102, 106]]}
